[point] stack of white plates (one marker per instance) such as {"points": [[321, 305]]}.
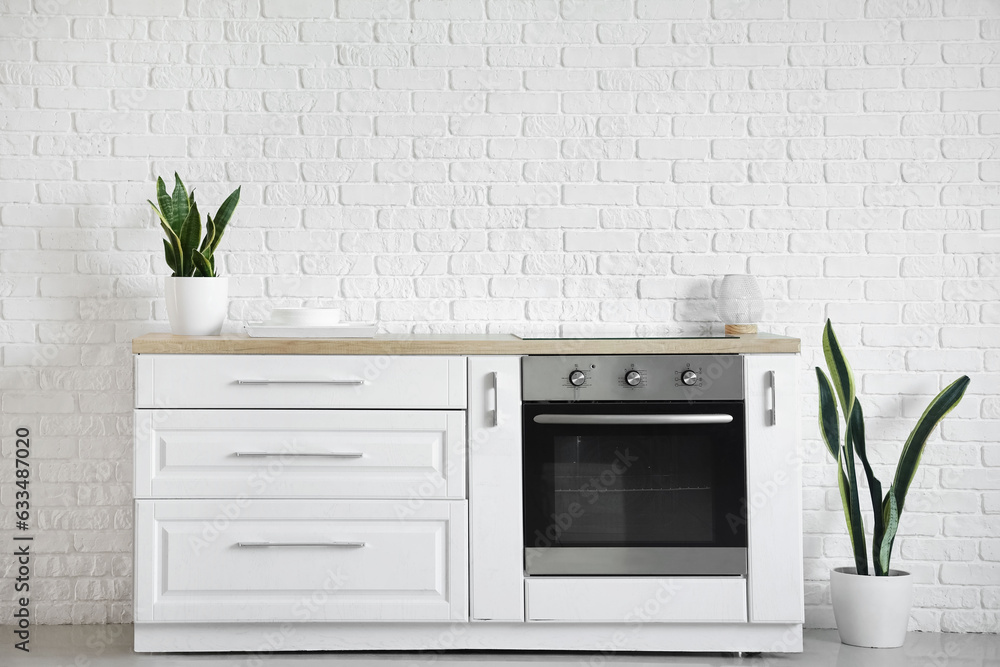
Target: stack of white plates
{"points": [[309, 323]]}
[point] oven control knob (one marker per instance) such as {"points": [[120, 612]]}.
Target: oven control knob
{"points": [[577, 378], [633, 378], [689, 377]]}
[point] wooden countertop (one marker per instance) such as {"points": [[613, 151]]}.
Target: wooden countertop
{"points": [[160, 343]]}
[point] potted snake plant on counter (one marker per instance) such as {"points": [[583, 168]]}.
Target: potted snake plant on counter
{"points": [[197, 296], [871, 602]]}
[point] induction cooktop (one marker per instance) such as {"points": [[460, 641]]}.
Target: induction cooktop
{"points": [[614, 336]]}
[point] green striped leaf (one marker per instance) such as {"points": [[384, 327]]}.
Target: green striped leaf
{"points": [[829, 420], [180, 205], [223, 215], [857, 428], [852, 517], [845, 499], [206, 242], [168, 253], [158, 214], [857, 523], [890, 518], [189, 236], [175, 244], [202, 266], [909, 458], [166, 205], [840, 370]]}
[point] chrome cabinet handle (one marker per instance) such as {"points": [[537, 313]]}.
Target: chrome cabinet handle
{"points": [[335, 455], [334, 382], [772, 414], [496, 399], [632, 419], [346, 545]]}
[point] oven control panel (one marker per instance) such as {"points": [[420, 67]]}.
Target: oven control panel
{"points": [[674, 377]]}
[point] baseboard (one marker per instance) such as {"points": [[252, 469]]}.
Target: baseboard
{"points": [[263, 638]]}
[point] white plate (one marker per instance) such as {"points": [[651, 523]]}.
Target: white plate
{"points": [[342, 330], [305, 317]]}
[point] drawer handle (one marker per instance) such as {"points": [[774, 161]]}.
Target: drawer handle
{"points": [[334, 382], [496, 399], [632, 419], [346, 545], [335, 455], [772, 414]]}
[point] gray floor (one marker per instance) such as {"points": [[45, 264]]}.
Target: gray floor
{"points": [[111, 645]]}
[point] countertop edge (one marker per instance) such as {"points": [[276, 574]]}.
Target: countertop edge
{"points": [[465, 345]]}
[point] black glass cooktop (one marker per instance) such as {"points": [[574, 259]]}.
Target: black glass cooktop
{"points": [[619, 337]]}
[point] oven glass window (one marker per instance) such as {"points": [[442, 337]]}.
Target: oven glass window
{"points": [[621, 490], [634, 485]]}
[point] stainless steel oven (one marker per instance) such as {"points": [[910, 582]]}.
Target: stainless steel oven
{"points": [[634, 465]]}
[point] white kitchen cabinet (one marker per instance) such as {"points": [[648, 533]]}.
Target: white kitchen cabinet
{"points": [[300, 488], [295, 453], [774, 488], [495, 529], [285, 560]]}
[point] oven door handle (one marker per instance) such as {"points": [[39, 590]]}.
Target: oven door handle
{"points": [[632, 419]]}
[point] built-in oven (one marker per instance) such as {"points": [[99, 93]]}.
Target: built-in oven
{"points": [[634, 465]]}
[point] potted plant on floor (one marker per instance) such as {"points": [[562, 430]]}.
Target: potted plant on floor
{"points": [[871, 606], [197, 297]]}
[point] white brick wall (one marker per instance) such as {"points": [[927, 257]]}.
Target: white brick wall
{"points": [[512, 165]]}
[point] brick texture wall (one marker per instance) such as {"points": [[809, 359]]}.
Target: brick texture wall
{"points": [[512, 166]]}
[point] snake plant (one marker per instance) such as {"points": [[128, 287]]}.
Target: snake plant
{"points": [[181, 222], [887, 508]]}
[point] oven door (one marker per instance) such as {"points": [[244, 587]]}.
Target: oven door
{"points": [[635, 489]]}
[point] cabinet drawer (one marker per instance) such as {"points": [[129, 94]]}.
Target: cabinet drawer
{"points": [[278, 560], [635, 599], [298, 381], [296, 453]]}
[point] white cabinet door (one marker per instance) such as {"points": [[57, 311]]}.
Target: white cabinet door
{"points": [[296, 453], [298, 381], [299, 560], [774, 487], [496, 539]]}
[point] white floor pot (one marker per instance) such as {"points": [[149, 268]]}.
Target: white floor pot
{"points": [[871, 611], [197, 306]]}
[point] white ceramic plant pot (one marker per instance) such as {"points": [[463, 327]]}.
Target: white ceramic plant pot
{"points": [[197, 306], [871, 611]]}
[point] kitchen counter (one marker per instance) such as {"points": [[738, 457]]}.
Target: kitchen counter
{"points": [[458, 344], [417, 444]]}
